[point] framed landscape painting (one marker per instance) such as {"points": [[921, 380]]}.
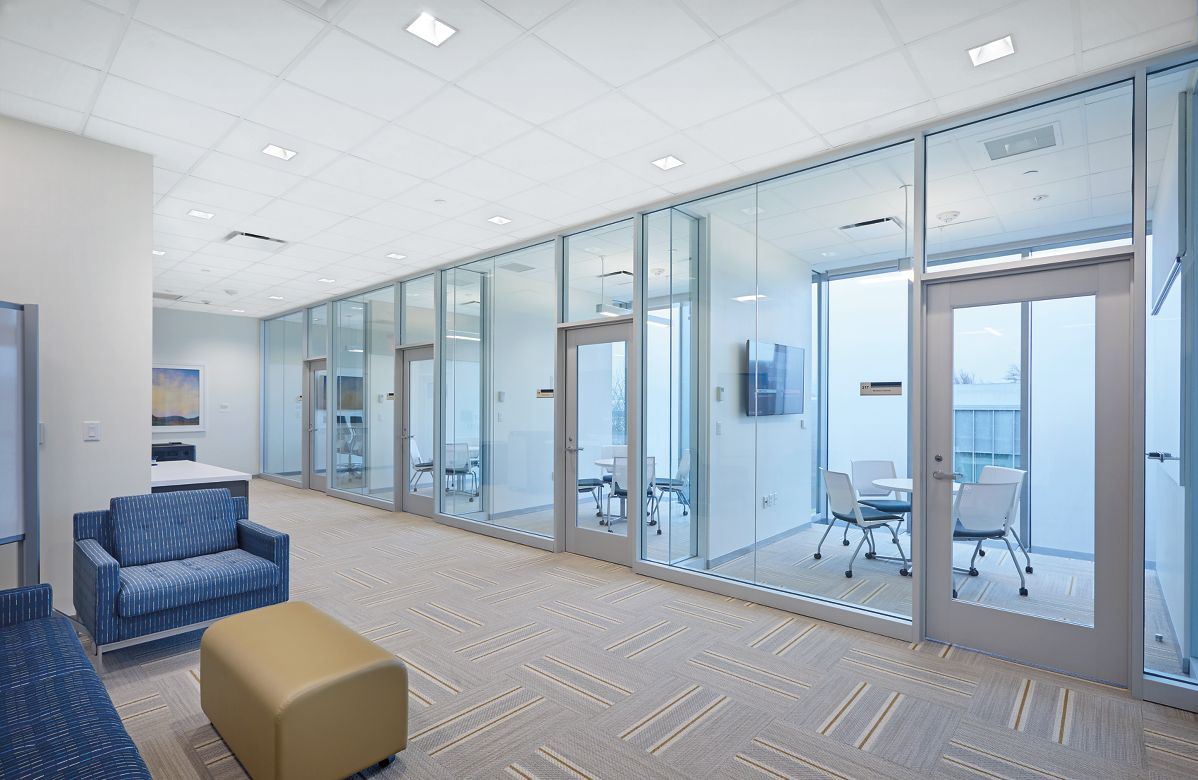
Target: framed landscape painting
{"points": [[178, 400]]}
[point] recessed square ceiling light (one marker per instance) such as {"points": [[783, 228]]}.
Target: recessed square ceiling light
{"points": [[989, 52], [668, 162], [326, 281], [429, 28], [200, 214], [396, 256], [239, 311], [749, 298], [498, 220], [278, 151], [157, 252], [275, 297]]}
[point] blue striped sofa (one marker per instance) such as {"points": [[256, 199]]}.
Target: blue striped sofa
{"points": [[154, 565], [56, 720]]}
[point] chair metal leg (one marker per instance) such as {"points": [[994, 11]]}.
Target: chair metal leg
{"points": [[903, 572], [973, 572], [1014, 560], [819, 547], [845, 539], [849, 572], [1027, 558]]}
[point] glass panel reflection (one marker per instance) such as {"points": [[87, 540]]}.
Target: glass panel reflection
{"points": [[283, 407]]}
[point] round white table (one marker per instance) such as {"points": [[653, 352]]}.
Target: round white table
{"points": [[606, 463], [902, 485]]}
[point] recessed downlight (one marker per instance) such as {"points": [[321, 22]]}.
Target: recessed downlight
{"points": [[275, 297], [668, 162], [200, 214], [157, 252], [239, 311], [498, 220], [994, 50], [326, 280], [278, 151], [395, 256], [429, 28], [749, 298]]}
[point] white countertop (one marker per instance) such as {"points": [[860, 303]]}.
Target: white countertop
{"points": [[186, 472]]}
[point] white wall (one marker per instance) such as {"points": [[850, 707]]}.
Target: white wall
{"points": [[75, 216], [750, 457], [228, 349]]}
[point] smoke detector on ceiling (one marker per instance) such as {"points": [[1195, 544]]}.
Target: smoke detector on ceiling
{"points": [[948, 216]]}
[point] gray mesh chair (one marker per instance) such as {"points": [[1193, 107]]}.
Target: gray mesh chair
{"points": [[842, 502], [982, 511]]}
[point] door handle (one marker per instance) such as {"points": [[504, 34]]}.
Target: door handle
{"points": [[1161, 456], [954, 476], [575, 449]]}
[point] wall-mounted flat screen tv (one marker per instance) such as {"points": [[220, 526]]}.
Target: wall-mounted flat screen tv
{"points": [[774, 377]]}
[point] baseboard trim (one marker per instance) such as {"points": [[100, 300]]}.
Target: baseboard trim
{"points": [[729, 556]]}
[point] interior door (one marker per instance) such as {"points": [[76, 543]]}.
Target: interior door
{"points": [[595, 441], [418, 474], [1028, 379], [317, 398]]}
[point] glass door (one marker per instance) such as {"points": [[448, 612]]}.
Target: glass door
{"points": [[1028, 467], [317, 416], [418, 474], [596, 442]]}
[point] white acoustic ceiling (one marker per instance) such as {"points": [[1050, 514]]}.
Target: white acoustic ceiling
{"points": [[546, 112]]}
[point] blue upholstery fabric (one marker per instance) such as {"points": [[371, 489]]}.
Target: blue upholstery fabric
{"points": [[100, 579], [18, 604], [170, 526], [169, 584], [56, 720], [889, 505]]}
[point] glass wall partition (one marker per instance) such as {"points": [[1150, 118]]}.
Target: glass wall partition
{"points": [[1171, 384], [598, 270], [363, 403], [1048, 179], [742, 291], [282, 396], [419, 324], [318, 330], [498, 346]]}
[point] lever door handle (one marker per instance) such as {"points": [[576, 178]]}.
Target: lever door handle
{"points": [[1161, 456], [954, 476], [575, 449]]}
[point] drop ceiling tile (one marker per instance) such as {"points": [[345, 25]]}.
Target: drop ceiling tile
{"points": [[1109, 155], [485, 180], [157, 112], [405, 151], [1135, 47], [698, 88], [698, 180], [463, 121], [545, 202], [1107, 21], [367, 178], [611, 125], [222, 199], [460, 232], [236, 172], [326, 196], [527, 13], [46, 78], [423, 245], [915, 19], [856, 94], [811, 39], [534, 82], [156, 59], [356, 73], [177, 246], [305, 114], [305, 257], [247, 140], [170, 224], [298, 214], [751, 131], [276, 228], [404, 218], [881, 125], [435, 198], [696, 159], [1006, 86], [267, 34], [620, 40], [40, 113], [482, 31], [541, 156], [600, 183], [168, 153], [372, 233], [73, 29], [164, 180], [724, 17], [1041, 29]]}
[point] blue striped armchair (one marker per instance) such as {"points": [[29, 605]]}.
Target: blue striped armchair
{"points": [[154, 565]]}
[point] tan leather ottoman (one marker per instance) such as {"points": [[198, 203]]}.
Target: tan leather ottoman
{"points": [[295, 694]]}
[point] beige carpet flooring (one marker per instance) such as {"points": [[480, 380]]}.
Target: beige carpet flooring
{"points": [[526, 664]]}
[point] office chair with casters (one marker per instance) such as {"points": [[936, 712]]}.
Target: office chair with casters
{"points": [[459, 469], [982, 511], [678, 485], [842, 501], [619, 491], [419, 465], [999, 475], [594, 486], [865, 472]]}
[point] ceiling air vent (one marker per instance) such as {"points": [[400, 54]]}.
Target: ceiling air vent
{"points": [[1021, 143], [873, 228], [516, 268], [254, 241], [161, 296]]}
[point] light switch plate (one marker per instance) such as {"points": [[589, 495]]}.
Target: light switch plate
{"points": [[91, 430]]}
